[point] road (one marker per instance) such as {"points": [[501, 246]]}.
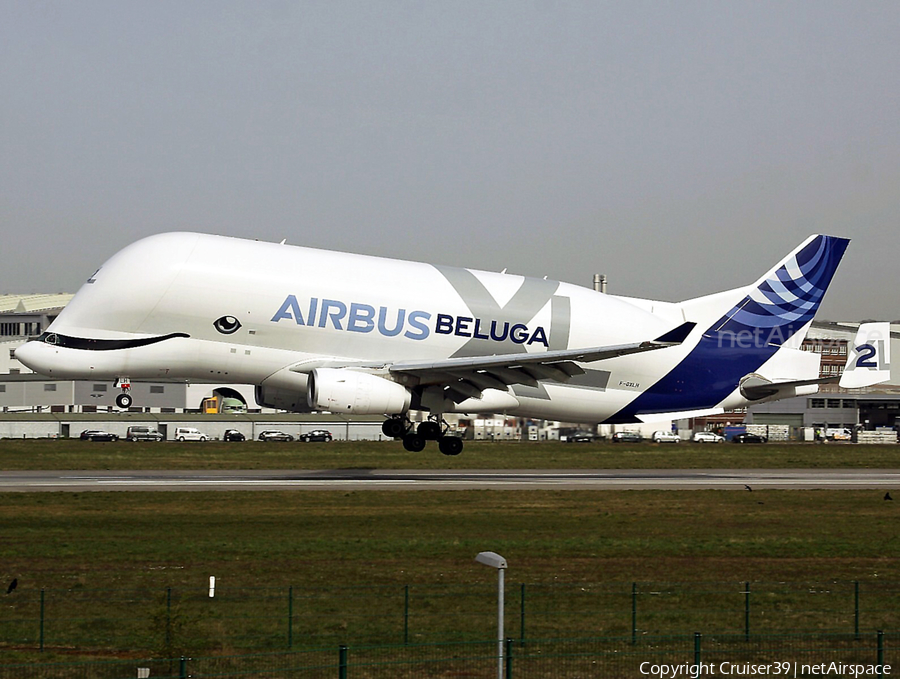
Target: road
{"points": [[375, 479]]}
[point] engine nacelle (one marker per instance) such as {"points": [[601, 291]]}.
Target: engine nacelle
{"points": [[340, 390], [293, 401], [284, 390]]}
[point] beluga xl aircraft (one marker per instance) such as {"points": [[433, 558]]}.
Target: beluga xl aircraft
{"points": [[328, 331]]}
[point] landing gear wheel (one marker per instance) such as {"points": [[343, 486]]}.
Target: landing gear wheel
{"points": [[393, 428], [414, 443], [430, 430], [124, 401], [450, 445]]}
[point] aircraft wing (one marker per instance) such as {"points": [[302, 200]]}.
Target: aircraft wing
{"points": [[467, 377]]}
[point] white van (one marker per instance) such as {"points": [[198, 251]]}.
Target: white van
{"points": [[839, 434], [189, 434]]}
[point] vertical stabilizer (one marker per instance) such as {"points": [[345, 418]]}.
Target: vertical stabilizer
{"points": [[775, 309], [783, 301]]}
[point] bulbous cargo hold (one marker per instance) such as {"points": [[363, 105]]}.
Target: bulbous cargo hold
{"points": [[340, 390]]}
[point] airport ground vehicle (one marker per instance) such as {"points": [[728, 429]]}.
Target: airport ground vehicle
{"points": [[707, 437], [315, 435], [189, 434], [839, 434], [665, 437], [98, 435], [223, 404], [143, 434], [274, 435]]}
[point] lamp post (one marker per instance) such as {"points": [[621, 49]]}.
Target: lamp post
{"points": [[494, 560]]}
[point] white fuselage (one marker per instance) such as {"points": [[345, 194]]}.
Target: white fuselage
{"points": [[287, 308]]}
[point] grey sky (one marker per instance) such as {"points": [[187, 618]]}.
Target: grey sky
{"points": [[681, 148]]}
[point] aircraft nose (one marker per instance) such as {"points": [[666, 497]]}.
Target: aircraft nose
{"points": [[34, 355]]}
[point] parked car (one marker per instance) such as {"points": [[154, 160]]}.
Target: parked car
{"points": [[627, 437], [708, 437], [98, 435], [189, 434], [665, 437], [143, 434], [315, 435], [274, 435], [233, 435], [748, 438], [580, 437]]}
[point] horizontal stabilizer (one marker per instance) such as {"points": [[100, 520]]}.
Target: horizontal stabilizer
{"points": [[681, 415], [868, 363]]}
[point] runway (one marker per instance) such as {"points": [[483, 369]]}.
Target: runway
{"points": [[410, 480]]}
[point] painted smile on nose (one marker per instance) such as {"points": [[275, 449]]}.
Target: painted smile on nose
{"points": [[88, 344]]}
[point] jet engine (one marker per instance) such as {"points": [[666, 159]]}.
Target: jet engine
{"points": [[284, 390], [292, 400], [340, 390]]}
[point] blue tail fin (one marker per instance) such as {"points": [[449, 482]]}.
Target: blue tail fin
{"points": [[787, 298], [775, 308]]}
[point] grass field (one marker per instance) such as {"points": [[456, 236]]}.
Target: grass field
{"points": [[292, 537], [282, 538], [361, 546], [74, 454], [266, 542]]}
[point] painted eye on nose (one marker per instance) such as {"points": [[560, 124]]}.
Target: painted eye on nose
{"points": [[227, 325]]}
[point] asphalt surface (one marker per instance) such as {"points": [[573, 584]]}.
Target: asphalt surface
{"points": [[374, 479]]}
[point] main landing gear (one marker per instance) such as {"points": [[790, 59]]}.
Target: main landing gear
{"points": [[124, 399], [416, 437]]}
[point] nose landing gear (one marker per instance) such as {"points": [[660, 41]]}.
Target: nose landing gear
{"points": [[124, 400]]}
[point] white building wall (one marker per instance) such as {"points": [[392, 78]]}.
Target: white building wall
{"points": [[213, 426], [18, 429], [8, 363]]}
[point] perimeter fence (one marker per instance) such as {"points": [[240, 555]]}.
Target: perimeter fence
{"points": [[176, 621], [793, 655]]}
